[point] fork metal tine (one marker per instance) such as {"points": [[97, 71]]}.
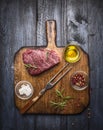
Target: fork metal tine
{"points": [[61, 76], [58, 73]]}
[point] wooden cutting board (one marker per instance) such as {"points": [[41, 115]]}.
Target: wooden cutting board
{"points": [[80, 98]]}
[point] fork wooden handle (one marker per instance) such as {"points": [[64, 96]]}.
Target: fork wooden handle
{"points": [[29, 104], [32, 101]]}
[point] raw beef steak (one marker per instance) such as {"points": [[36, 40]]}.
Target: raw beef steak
{"points": [[38, 60]]}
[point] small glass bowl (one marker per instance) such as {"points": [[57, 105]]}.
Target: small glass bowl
{"points": [[79, 80], [18, 86], [72, 53]]}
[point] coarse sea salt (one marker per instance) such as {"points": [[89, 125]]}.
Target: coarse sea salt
{"points": [[25, 89]]}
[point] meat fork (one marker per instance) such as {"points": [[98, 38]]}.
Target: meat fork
{"points": [[47, 87]]}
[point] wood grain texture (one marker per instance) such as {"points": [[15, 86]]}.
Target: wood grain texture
{"points": [[77, 29], [22, 24], [95, 52], [11, 39], [39, 82]]}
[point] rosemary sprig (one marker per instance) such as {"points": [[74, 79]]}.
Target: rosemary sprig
{"points": [[60, 94], [61, 104], [30, 66]]}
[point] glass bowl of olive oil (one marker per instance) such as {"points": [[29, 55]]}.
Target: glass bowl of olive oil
{"points": [[72, 53]]}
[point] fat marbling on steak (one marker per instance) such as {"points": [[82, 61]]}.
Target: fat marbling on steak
{"points": [[38, 60]]}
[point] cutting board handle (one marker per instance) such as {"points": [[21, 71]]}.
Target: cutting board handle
{"points": [[51, 33]]}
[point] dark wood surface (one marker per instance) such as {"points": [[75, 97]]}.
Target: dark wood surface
{"points": [[22, 23]]}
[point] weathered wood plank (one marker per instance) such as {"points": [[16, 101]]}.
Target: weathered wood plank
{"points": [[77, 22], [48, 10], [45, 12], [60, 16], [95, 28], [77, 29], [12, 35]]}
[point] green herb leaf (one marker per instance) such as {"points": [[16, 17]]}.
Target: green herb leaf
{"points": [[30, 66], [67, 97], [59, 94], [58, 104], [61, 104], [53, 103], [26, 65], [62, 90]]}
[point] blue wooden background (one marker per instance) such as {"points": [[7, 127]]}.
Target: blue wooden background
{"points": [[22, 23]]}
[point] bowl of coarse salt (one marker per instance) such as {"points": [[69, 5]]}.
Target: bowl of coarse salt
{"points": [[24, 90]]}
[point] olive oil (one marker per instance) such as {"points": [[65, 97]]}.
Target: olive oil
{"points": [[72, 54]]}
